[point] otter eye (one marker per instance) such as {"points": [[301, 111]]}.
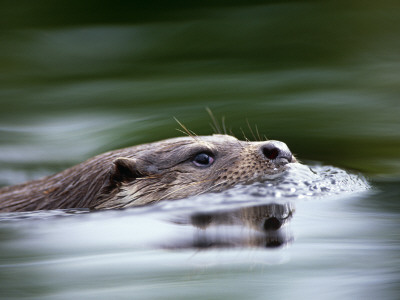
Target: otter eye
{"points": [[203, 160]]}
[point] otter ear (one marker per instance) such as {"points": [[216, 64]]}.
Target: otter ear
{"points": [[125, 169]]}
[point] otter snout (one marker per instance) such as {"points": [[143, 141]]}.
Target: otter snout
{"points": [[277, 151]]}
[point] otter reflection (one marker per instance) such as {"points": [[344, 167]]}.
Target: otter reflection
{"points": [[256, 226]]}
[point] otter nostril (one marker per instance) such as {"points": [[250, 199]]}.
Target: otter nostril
{"points": [[270, 151], [277, 151]]}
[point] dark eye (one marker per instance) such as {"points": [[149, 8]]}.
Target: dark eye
{"points": [[203, 160]]}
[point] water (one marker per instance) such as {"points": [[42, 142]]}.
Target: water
{"points": [[245, 231], [80, 79]]}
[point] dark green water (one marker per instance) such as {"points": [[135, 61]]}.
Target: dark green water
{"points": [[78, 79]]}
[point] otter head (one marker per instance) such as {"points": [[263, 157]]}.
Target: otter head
{"points": [[187, 166]]}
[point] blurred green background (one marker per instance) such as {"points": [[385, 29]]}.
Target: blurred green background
{"points": [[82, 77]]}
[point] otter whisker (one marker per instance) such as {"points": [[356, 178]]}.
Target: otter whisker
{"points": [[193, 133], [213, 128], [258, 134], [223, 125], [187, 131], [251, 130], [184, 132], [218, 129], [244, 135]]}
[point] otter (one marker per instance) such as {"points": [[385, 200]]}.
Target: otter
{"points": [[139, 175]]}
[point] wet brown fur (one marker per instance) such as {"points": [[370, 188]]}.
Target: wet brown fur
{"points": [[143, 174]]}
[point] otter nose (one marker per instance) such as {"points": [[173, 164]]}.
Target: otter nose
{"points": [[276, 150]]}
